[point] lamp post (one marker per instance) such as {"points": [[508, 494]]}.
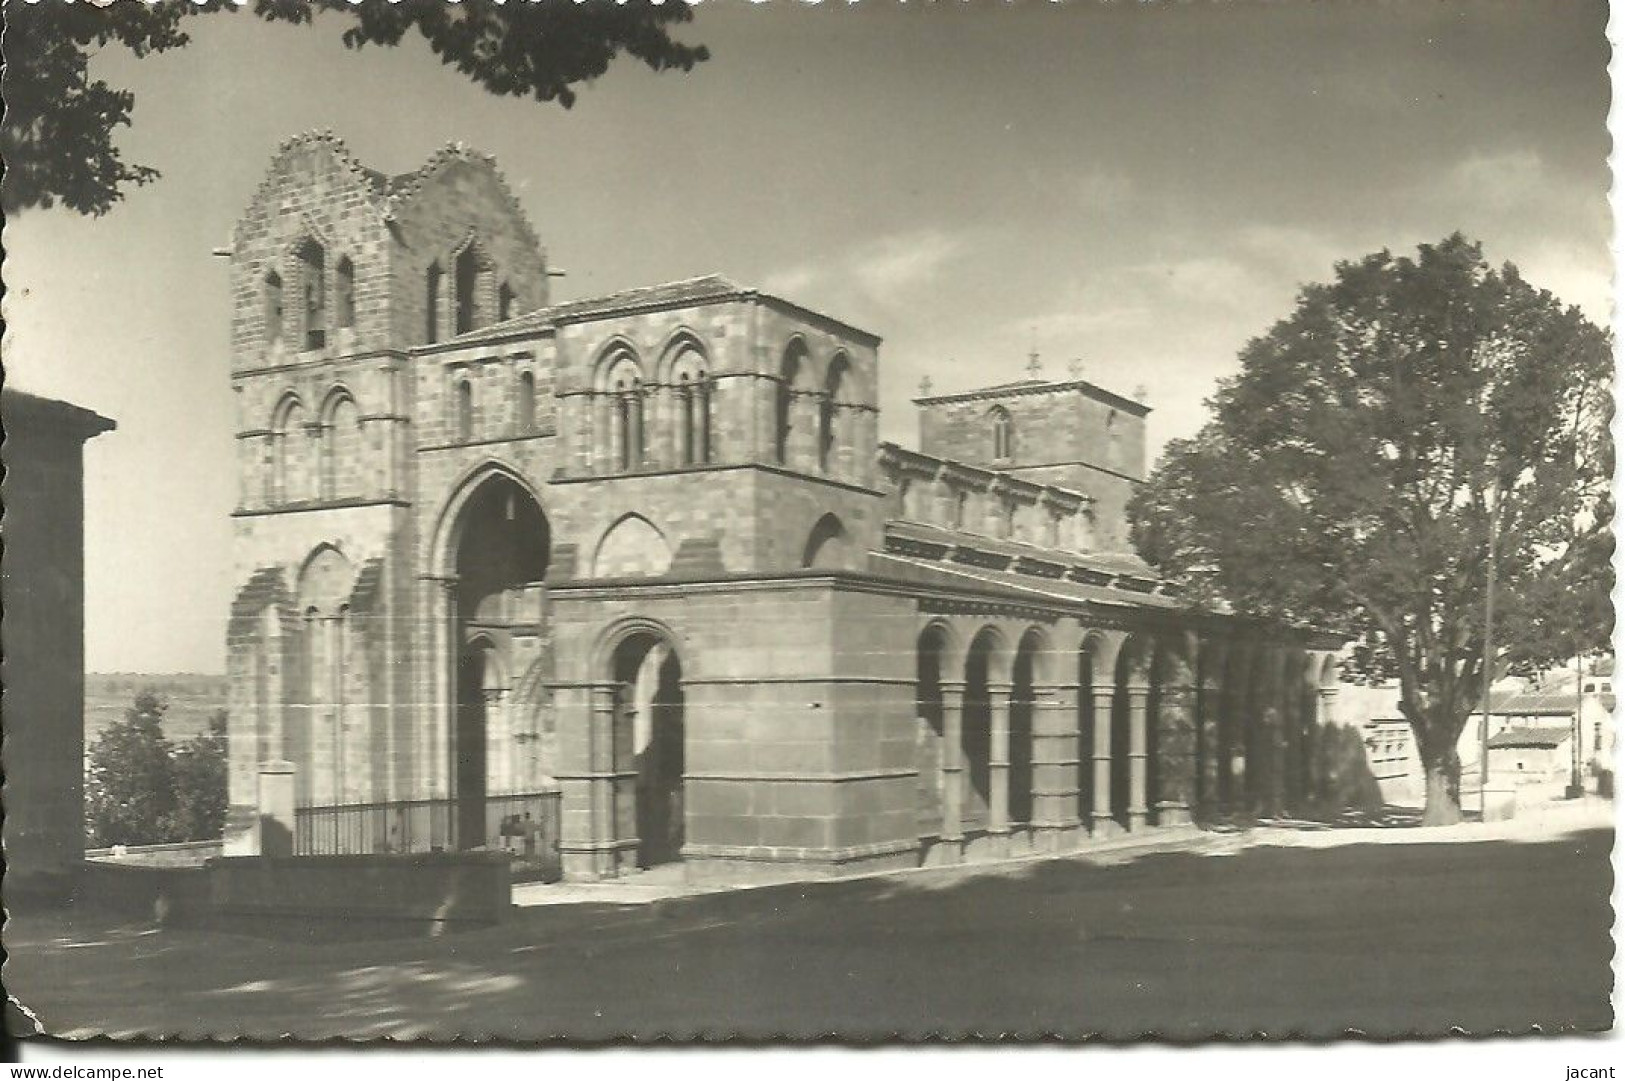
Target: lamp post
{"points": [[1489, 671], [1576, 785]]}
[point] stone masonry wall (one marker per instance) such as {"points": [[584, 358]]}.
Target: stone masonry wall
{"points": [[455, 200]]}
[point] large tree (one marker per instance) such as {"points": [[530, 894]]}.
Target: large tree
{"points": [[1406, 420], [57, 136]]}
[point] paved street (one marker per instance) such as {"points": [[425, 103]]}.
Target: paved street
{"points": [[1276, 930]]}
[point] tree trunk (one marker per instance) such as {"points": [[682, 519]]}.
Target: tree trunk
{"points": [[1443, 793], [1436, 734]]}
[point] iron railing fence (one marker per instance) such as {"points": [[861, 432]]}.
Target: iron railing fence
{"points": [[525, 825]]}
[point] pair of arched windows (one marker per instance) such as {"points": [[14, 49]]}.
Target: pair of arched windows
{"points": [[798, 385], [626, 416], [682, 410], [691, 386], [326, 460], [464, 427], [323, 304], [471, 275]]}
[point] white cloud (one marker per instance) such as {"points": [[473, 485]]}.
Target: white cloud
{"points": [[1498, 181], [884, 272], [895, 264], [1103, 190], [1574, 274], [791, 280]]}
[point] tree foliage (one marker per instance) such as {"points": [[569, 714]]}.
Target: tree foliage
{"points": [[130, 784], [200, 784], [1354, 472], [57, 137], [140, 789]]}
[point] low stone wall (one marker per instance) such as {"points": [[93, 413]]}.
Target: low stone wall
{"points": [[434, 887], [177, 854], [160, 893]]}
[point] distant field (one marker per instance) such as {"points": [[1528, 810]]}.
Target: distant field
{"points": [[192, 700]]}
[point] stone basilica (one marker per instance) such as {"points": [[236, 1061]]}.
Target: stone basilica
{"points": [[642, 559]]}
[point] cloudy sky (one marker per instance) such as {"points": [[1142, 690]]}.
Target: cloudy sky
{"points": [[1139, 187]]}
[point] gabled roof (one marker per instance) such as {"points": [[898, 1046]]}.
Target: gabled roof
{"points": [[687, 292], [1039, 386]]}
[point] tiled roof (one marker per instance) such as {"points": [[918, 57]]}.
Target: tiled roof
{"points": [[1530, 737], [1107, 562], [1039, 386], [687, 291], [699, 290], [1012, 585], [707, 288], [1530, 703], [956, 557], [19, 407]]}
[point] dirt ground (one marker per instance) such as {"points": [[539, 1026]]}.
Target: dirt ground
{"points": [[1279, 931]]}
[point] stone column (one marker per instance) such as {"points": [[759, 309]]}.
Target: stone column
{"points": [[825, 457], [639, 415], [1137, 756], [705, 405], [662, 431], [1252, 734], [609, 717], [1176, 754], [801, 450], [1268, 794], [1210, 749], [1229, 791], [998, 760], [1176, 745], [1289, 737], [1055, 768], [1104, 697], [953, 772], [583, 712], [439, 685]]}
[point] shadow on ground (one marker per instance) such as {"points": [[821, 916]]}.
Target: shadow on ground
{"points": [[1285, 941]]}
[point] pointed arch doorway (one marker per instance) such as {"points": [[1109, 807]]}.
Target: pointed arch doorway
{"points": [[502, 545]]}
